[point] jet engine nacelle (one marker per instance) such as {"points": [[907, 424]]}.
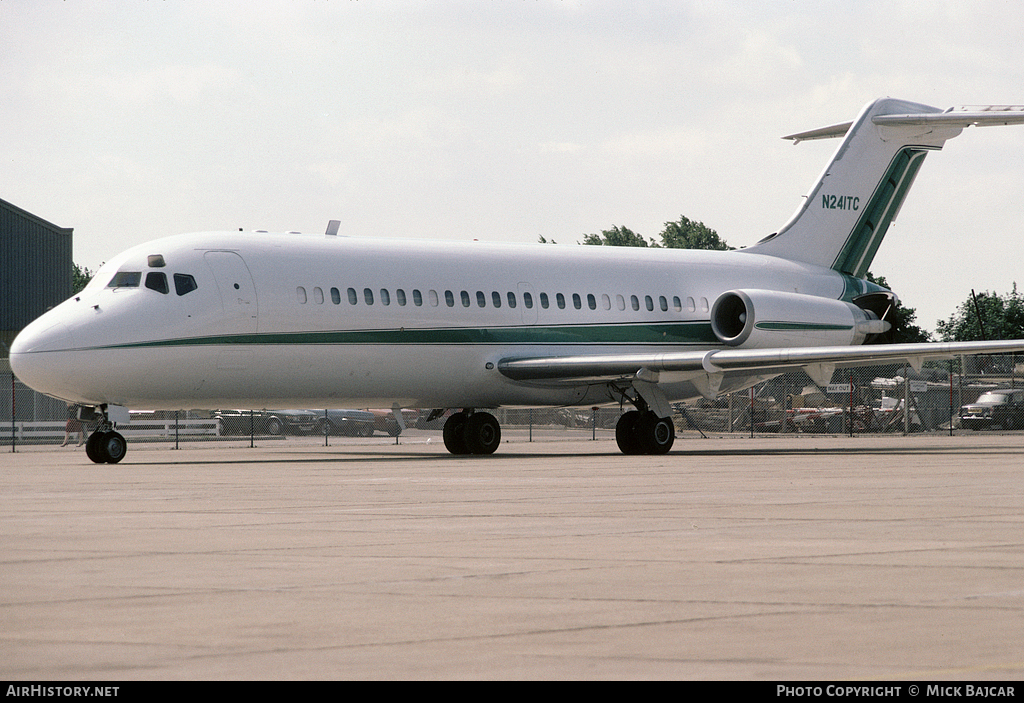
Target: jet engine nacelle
{"points": [[766, 318]]}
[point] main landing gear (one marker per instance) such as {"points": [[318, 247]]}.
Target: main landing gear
{"points": [[469, 432], [637, 432], [105, 446], [643, 432]]}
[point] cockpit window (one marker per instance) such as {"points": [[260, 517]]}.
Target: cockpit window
{"points": [[184, 283], [157, 281], [126, 279]]}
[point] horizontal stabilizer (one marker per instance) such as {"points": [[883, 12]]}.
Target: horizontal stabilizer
{"points": [[982, 116], [977, 116], [844, 217], [833, 132]]}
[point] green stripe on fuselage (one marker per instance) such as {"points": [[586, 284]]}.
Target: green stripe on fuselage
{"points": [[668, 333]]}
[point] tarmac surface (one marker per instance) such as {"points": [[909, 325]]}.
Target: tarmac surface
{"points": [[784, 558]]}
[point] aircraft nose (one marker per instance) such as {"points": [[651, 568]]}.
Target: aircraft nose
{"points": [[33, 357], [55, 336]]}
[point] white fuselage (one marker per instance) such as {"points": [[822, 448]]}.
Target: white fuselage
{"points": [[278, 320]]}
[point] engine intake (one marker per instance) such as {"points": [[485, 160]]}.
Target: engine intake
{"points": [[764, 318]]}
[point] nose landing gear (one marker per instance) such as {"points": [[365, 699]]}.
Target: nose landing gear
{"points": [[105, 445]]}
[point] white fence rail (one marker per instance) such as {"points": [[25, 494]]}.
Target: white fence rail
{"points": [[53, 430]]}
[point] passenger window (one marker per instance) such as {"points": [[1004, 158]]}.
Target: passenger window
{"points": [[620, 302], [368, 296], [449, 299], [663, 301], [691, 304], [560, 301], [527, 300], [417, 297], [400, 295], [481, 299], [544, 300], [158, 282], [353, 297], [318, 295], [576, 302], [300, 292], [677, 303], [385, 297], [185, 283], [591, 301], [126, 279], [496, 298], [432, 294], [465, 299], [335, 296], [512, 299], [634, 302], [606, 301], [649, 302], [704, 304]]}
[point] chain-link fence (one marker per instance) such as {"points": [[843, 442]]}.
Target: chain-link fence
{"points": [[966, 394]]}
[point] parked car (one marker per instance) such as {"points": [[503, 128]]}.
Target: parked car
{"points": [[384, 420], [1002, 407], [272, 422], [354, 423]]}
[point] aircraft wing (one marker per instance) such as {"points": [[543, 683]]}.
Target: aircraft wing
{"points": [[818, 362]]}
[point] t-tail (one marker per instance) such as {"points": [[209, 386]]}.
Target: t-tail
{"points": [[846, 214]]}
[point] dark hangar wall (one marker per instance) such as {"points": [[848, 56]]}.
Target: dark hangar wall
{"points": [[35, 268]]}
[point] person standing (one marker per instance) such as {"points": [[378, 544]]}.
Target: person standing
{"points": [[73, 425]]}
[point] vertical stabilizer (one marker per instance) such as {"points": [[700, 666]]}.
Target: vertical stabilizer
{"points": [[846, 214]]}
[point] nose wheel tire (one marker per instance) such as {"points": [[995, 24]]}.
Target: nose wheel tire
{"points": [[106, 447]]}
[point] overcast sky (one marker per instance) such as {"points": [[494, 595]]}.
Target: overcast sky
{"points": [[503, 120]]}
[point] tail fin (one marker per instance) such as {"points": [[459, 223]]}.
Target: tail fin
{"points": [[848, 211]]}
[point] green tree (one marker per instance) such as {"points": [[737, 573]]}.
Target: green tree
{"points": [[80, 277], [1002, 317], [682, 234], [687, 234], [904, 329], [617, 237]]}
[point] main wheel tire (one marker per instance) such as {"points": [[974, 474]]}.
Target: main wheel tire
{"points": [[275, 427], [627, 434], [657, 433], [454, 434], [482, 433]]}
